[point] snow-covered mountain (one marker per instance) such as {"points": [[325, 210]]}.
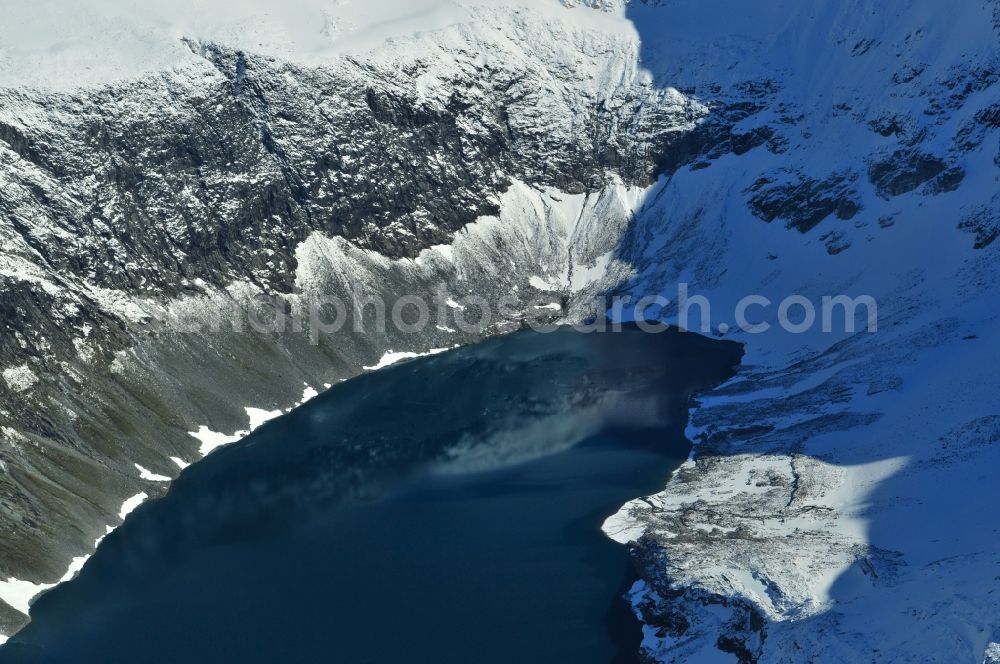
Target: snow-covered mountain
{"points": [[839, 503]]}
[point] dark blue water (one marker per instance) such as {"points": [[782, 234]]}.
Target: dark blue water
{"points": [[444, 510]]}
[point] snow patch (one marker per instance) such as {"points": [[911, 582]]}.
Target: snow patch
{"points": [[210, 440], [20, 378], [19, 594], [151, 476], [258, 416], [392, 357], [541, 284], [445, 250], [130, 504], [76, 565]]}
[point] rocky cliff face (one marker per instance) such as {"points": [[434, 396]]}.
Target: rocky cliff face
{"points": [[552, 153]]}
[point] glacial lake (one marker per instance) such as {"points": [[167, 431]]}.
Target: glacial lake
{"points": [[447, 509]]}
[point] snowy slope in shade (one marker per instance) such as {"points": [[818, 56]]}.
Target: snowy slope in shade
{"points": [[836, 507], [865, 452]]}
